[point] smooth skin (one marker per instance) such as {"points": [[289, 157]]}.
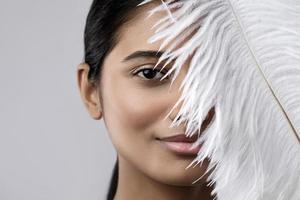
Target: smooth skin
{"points": [[133, 109]]}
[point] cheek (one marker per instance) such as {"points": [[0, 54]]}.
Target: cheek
{"points": [[134, 107], [132, 114]]}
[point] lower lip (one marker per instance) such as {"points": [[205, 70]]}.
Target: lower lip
{"points": [[181, 147]]}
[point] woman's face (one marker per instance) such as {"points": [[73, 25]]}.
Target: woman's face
{"points": [[134, 106]]}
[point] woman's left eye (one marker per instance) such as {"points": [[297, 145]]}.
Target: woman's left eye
{"points": [[149, 73]]}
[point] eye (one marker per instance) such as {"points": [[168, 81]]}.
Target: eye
{"points": [[150, 73]]}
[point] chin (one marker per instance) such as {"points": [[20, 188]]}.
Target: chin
{"points": [[179, 176], [183, 181], [170, 168]]}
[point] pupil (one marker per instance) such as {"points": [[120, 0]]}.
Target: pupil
{"points": [[148, 73]]}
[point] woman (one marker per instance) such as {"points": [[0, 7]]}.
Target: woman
{"points": [[117, 82]]}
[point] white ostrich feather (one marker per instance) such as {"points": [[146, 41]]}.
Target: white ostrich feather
{"points": [[245, 63]]}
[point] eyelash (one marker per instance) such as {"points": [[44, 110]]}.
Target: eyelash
{"points": [[149, 68]]}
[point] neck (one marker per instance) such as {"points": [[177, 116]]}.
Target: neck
{"points": [[134, 185]]}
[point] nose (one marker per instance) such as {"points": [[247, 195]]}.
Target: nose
{"points": [[174, 95]]}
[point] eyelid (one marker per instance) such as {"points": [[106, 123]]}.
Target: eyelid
{"points": [[143, 67], [158, 68]]}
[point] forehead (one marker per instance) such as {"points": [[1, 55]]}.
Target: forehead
{"points": [[139, 29]]}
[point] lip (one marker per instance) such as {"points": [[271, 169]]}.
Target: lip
{"points": [[180, 138], [179, 145]]}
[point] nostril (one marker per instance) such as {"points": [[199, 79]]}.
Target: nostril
{"points": [[208, 119]]}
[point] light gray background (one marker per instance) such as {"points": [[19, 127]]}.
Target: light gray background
{"points": [[50, 148]]}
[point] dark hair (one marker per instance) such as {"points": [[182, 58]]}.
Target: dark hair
{"points": [[101, 34], [113, 182], [104, 19]]}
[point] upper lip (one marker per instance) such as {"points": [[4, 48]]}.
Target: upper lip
{"points": [[180, 138], [193, 138]]}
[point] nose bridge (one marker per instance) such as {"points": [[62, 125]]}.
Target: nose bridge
{"points": [[174, 95], [174, 92]]}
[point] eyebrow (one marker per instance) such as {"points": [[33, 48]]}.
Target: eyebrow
{"points": [[143, 54]]}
